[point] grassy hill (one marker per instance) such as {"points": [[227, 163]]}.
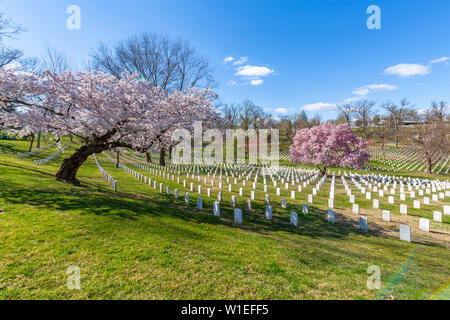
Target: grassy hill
{"points": [[139, 244]]}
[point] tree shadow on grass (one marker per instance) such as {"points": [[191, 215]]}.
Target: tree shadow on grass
{"points": [[129, 206], [9, 149], [27, 169]]}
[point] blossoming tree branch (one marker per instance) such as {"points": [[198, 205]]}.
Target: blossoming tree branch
{"points": [[103, 111]]}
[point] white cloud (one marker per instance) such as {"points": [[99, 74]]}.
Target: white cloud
{"points": [[240, 61], [232, 83], [318, 106], [282, 110], [443, 59], [365, 90], [408, 70], [228, 59], [253, 71], [276, 118], [256, 82], [353, 99]]}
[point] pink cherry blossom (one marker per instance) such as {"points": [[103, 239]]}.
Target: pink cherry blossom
{"points": [[328, 145], [103, 111]]}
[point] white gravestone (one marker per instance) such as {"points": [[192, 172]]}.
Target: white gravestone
{"points": [[175, 192], [376, 203], [268, 212], [363, 223], [216, 208], [403, 209], [310, 198], [391, 199], [248, 204], [283, 203], [355, 208], [424, 224], [330, 215], [305, 208], [386, 214], [368, 195], [447, 210], [267, 197], [233, 201], [186, 198], [426, 200], [294, 218], [416, 204], [199, 203], [437, 216], [238, 216], [405, 233], [352, 199], [330, 203]]}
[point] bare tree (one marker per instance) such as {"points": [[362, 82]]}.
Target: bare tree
{"points": [[245, 115], [9, 29], [164, 62], [363, 112], [315, 121], [397, 115], [431, 137], [231, 114], [379, 122], [54, 61], [347, 111], [437, 111]]}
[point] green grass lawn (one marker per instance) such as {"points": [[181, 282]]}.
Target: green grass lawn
{"points": [[139, 244]]}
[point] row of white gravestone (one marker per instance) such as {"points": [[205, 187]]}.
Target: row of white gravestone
{"points": [[362, 223], [344, 174], [355, 207], [424, 224]]}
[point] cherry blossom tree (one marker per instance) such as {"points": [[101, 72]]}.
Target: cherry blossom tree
{"points": [[328, 145], [103, 111]]}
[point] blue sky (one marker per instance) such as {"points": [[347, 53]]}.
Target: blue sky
{"points": [[296, 55]]}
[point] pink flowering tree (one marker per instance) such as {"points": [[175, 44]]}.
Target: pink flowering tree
{"points": [[328, 145], [103, 111]]}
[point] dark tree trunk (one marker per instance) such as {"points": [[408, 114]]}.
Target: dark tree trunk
{"points": [[118, 159], [170, 152], [69, 168], [38, 143], [429, 164], [396, 136], [31, 144], [162, 160], [323, 170], [71, 138], [149, 158]]}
